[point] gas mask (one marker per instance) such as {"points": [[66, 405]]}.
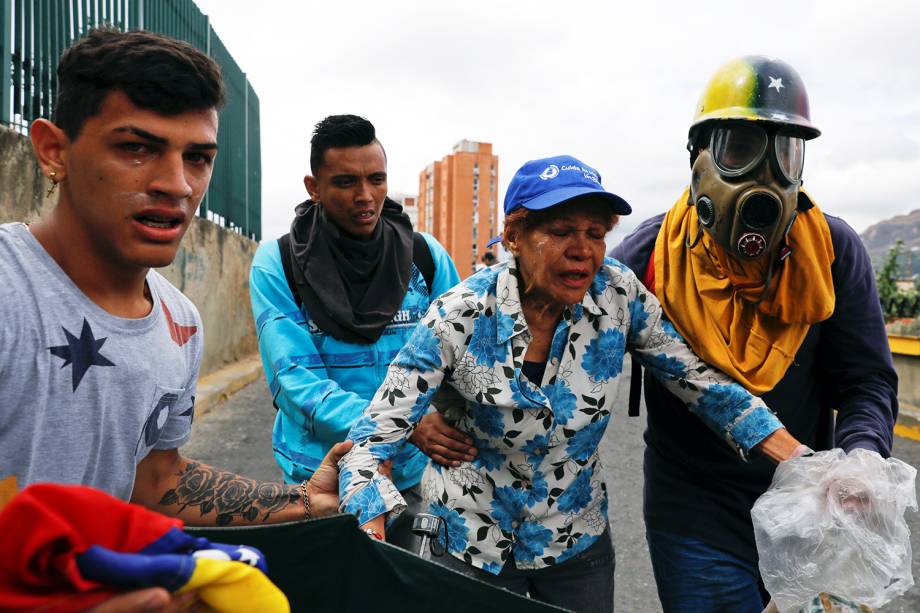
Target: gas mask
{"points": [[745, 186]]}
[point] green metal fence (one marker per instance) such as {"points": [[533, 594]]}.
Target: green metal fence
{"points": [[33, 33]]}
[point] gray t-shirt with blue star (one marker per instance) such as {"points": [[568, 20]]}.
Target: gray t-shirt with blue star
{"points": [[86, 395]]}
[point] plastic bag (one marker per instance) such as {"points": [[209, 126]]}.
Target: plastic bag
{"points": [[825, 603], [834, 523]]}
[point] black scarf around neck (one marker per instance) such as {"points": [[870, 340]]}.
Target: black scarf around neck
{"points": [[351, 288]]}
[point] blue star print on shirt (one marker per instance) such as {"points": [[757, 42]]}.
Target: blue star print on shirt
{"points": [[81, 352]]}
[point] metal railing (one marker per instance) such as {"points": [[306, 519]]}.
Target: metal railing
{"points": [[34, 33]]}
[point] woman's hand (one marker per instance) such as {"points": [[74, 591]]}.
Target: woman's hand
{"points": [[780, 446], [442, 442], [376, 526]]}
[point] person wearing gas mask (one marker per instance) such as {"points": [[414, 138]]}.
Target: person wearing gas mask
{"points": [[777, 294]]}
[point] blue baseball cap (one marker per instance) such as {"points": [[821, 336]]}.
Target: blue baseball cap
{"points": [[542, 184]]}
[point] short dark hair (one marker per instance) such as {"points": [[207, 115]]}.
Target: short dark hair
{"points": [[488, 256], [340, 131], [156, 72]]}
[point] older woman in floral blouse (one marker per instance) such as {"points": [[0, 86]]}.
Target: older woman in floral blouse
{"points": [[535, 346]]}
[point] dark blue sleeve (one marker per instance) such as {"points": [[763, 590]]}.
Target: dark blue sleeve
{"points": [[854, 350], [636, 248]]}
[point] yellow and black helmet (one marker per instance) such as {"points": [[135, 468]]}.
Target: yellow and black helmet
{"points": [[755, 88]]}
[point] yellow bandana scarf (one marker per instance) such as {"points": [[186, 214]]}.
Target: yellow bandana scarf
{"points": [[711, 297]]}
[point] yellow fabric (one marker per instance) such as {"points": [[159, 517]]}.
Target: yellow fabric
{"points": [[710, 296], [225, 586], [8, 489], [731, 94]]}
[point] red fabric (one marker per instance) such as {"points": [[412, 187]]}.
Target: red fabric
{"points": [[649, 279], [177, 332], [44, 528]]}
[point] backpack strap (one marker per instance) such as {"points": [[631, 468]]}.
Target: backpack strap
{"points": [[423, 260], [284, 244], [421, 257], [635, 380], [635, 388]]}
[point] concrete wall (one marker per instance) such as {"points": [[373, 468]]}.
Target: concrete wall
{"points": [[22, 184], [908, 368], [211, 267]]}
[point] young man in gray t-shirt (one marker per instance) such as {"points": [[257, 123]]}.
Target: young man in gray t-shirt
{"points": [[88, 394], [99, 354]]}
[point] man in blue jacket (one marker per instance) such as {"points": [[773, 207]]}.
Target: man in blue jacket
{"points": [[335, 300], [775, 293]]}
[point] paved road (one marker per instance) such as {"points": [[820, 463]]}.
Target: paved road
{"points": [[237, 436]]}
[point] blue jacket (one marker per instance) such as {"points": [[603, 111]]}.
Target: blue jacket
{"points": [[322, 385]]}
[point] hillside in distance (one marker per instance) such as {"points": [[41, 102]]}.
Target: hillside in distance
{"points": [[881, 237]]}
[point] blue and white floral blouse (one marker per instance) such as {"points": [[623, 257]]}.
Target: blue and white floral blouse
{"points": [[535, 490]]}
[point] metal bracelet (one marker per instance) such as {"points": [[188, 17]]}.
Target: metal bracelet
{"points": [[308, 512]]}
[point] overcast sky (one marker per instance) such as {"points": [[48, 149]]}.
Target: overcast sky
{"points": [[612, 83]]}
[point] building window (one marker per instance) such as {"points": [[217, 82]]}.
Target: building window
{"points": [[475, 252]]}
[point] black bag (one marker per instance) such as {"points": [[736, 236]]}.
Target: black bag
{"points": [[329, 565]]}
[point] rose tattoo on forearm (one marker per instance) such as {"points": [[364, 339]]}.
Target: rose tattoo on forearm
{"points": [[228, 495]]}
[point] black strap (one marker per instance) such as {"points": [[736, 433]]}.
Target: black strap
{"points": [[421, 257], [423, 260], [635, 388], [285, 245]]}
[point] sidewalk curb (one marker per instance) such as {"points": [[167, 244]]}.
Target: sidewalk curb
{"points": [[908, 424], [219, 385], [909, 411]]}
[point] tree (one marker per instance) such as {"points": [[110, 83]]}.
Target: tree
{"points": [[895, 303], [887, 280]]}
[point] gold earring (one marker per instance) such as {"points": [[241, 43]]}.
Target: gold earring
{"points": [[54, 184]]}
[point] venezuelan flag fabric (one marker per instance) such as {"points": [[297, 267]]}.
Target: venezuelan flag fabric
{"points": [[67, 548]]}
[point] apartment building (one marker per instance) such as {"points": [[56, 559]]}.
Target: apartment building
{"points": [[409, 205], [458, 202]]}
